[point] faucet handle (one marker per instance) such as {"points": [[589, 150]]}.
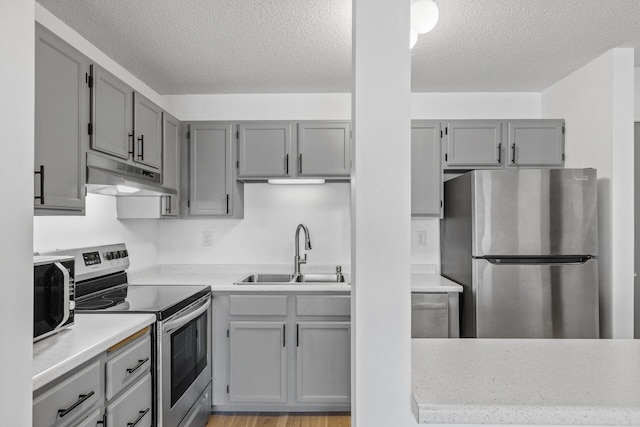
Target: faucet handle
{"points": [[338, 269], [303, 260]]}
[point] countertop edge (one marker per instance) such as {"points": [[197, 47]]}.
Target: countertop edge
{"points": [[65, 364]]}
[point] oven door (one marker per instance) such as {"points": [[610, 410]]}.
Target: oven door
{"points": [[184, 361]]}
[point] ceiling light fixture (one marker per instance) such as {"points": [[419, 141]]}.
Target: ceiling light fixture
{"points": [[296, 181], [424, 17]]}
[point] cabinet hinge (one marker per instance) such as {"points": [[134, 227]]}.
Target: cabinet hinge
{"points": [[227, 333], [563, 157], [237, 134], [441, 203], [90, 128], [237, 164], [88, 79], [440, 134], [188, 203], [563, 130], [188, 134], [227, 388], [446, 157]]}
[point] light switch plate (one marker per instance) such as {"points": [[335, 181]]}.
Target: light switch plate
{"points": [[422, 238]]}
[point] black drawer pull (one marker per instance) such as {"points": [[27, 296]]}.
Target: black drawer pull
{"points": [[80, 401], [41, 173], [140, 417], [140, 363]]}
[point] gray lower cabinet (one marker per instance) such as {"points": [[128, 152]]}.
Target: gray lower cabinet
{"points": [[324, 149], [264, 149], [61, 120], [210, 169], [323, 362], [426, 171], [281, 351], [257, 361], [112, 389], [147, 148], [536, 143], [111, 114]]}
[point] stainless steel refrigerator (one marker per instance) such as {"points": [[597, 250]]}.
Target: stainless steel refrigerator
{"points": [[523, 243]]}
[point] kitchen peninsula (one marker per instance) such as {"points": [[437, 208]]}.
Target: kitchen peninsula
{"points": [[516, 381]]}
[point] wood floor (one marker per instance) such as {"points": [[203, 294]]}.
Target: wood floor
{"points": [[280, 420]]}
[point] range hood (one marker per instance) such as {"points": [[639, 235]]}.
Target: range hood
{"points": [[105, 175]]}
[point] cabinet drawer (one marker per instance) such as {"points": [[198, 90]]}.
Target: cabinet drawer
{"points": [[127, 365], [323, 305], [133, 406], [65, 402], [92, 419], [258, 305]]}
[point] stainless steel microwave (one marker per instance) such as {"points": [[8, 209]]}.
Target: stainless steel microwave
{"points": [[53, 294]]}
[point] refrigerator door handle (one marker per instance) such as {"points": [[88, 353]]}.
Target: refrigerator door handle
{"points": [[565, 259]]}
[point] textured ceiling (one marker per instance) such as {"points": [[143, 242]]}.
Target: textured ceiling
{"points": [[288, 46]]}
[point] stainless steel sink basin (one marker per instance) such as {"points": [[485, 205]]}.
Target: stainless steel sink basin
{"points": [[289, 279]]}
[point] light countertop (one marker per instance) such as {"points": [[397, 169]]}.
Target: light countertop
{"points": [[90, 335], [542, 381], [222, 278]]}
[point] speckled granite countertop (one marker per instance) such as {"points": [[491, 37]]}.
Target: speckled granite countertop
{"points": [[90, 335], [222, 278], [509, 381]]}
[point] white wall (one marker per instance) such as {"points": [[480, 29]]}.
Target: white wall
{"points": [[597, 104], [99, 226], [266, 234], [636, 92], [16, 175]]}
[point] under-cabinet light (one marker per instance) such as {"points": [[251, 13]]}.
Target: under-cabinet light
{"points": [[126, 189], [296, 181]]}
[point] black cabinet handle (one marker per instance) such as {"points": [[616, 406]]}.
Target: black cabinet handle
{"points": [[300, 163], [286, 163], [135, 368], [499, 153], [227, 204], [41, 173], [141, 153], [81, 399], [131, 144], [167, 201], [284, 335], [297, 335], [513, 154], [141, 415]]}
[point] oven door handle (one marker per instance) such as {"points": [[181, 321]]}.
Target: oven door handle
{"points": [[65, 293], [186, 318]]}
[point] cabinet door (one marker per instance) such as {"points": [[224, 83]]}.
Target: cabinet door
{"points": [[264, 149], [133, 406], [258, 362], [61, 119], [536, 143], [111, 114], [210, 169], [323, 362], [147, 118], [324, 149], [426, 171], [170, 164], [473, 144]]}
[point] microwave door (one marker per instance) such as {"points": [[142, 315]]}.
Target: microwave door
{"points": [[51, 299], [66, 283]]}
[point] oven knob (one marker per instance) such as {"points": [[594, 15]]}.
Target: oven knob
{"points": [[126, 253], [108, 255], [117, 254]]}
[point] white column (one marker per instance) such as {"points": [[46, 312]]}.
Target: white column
{"points": [[16, 217], [381, 359]]}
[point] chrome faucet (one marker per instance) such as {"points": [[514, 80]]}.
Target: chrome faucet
{"points": [[307, 245]]}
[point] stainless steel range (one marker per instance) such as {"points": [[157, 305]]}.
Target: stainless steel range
{"points": [[182, 354]]}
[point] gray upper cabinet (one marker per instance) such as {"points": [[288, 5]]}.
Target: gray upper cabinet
{"points": [[324, 149], [210, 158], [264, 149], [323, 362], [473, 144], [61, 119], [536, 143], [426, 172], [147, 118], [258, 362], [111, 114], [170, 164]]}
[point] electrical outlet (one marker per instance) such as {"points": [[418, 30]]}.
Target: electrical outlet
{"points": [[207, 238], [422, 238]]}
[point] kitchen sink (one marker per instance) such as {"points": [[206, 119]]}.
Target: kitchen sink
{"points": [[289, 279]]}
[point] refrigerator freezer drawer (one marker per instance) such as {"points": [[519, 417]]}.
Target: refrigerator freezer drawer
{"points": [[536, 300]]}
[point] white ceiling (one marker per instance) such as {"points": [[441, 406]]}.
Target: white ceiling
{"points": [[289, 46]]}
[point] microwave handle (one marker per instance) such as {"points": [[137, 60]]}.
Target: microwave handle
{"points": [[186, 318], [66, 287]]}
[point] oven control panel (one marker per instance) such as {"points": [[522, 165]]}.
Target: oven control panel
{"points": [[98, 260]]}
